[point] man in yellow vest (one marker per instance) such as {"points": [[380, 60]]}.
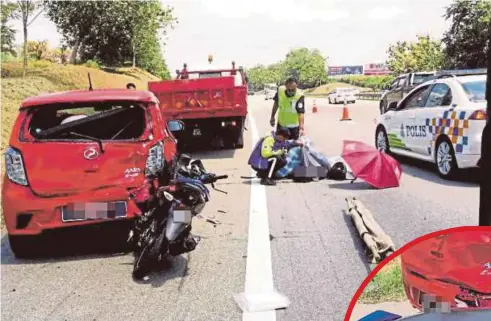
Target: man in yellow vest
{"points": [[291, 104]]}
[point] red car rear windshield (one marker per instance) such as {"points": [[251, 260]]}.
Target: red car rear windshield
{"points": [[100, 121]]}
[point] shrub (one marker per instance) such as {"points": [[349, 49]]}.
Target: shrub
{"points": [[92, 64], [7, 57], [39, 64], [373, 82]]}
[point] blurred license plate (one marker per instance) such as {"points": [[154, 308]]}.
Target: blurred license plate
{"points": [[196, 132], [182, 217], [93, 211], [485, 303]]}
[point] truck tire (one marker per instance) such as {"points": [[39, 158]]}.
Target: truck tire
{"points": [[239, 144]]}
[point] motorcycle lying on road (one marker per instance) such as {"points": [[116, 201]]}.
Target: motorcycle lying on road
{"points": [[164, 228]]}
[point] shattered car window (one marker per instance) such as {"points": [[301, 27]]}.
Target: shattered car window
{"points": [[102, 121]]}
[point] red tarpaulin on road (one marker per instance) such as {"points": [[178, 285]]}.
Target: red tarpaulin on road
{"points": [[371, 165]]}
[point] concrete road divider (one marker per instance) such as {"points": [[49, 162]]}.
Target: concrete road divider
{"points": [[377, 241]]}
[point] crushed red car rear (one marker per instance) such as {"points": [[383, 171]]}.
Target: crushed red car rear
{"points": [[73, 157], [453, 268]]}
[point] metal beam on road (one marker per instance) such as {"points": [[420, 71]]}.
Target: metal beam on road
{"points": [[485, 191]]}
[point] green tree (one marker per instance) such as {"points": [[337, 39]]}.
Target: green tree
{"points": [[466, 41], [27, 9], [148, 21], [257, 77], [9, 12], [423, 55], [113, 32], [261, 75], [309, 66]]}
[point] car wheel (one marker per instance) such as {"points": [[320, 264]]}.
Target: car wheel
{"points": [[23, 246], [381, 140], [445, 159], [329, 99]]}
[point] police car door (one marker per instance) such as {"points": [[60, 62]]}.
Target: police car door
{"points": [[430, 117], [404, 124]]}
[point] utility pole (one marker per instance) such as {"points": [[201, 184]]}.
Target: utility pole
{"points": [[485, 191]]}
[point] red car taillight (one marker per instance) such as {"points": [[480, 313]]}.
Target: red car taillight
{"points": [[14, 166], [478, 115]]}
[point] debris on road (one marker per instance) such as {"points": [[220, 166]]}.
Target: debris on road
{"points": [[376, 240], [211, 220], [255, 302]]}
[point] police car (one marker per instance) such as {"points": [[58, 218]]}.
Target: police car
{"points": [[440, 121]]}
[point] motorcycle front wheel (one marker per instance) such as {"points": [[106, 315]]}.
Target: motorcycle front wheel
{"points": [[147, 258]]}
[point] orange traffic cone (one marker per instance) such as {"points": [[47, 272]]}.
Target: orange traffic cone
{"points": [[345, 112], [314, 108]]}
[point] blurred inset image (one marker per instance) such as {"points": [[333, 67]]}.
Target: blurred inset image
{"points": [[443, 276]]}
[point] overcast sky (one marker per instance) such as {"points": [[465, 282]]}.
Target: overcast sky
{"points": [[349, 32]]}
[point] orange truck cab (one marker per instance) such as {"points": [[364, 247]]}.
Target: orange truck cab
{"points": [[211, 103], [73, 157]]}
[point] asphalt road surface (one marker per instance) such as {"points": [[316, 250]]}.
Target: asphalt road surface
{"points": [[309, 249]]}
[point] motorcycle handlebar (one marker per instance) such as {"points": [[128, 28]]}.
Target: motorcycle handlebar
{"points": [[212, 178]]}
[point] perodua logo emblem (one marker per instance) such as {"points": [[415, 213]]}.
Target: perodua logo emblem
{"points": [[90, 153], [486, 269]]}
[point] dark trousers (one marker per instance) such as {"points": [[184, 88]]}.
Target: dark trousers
{"points": [[294, 131], [280, 163]]}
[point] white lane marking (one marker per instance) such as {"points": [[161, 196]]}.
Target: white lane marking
{"points": [[259, 270]]}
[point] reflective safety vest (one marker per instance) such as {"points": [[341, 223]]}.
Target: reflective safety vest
{"points": [[288, 116]]}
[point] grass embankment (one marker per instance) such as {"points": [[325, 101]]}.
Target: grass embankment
{"points": [[325, 89], [386, 285], [47, 77]]}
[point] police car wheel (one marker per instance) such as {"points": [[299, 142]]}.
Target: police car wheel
{"points": [[381, 140], [445, 159]]}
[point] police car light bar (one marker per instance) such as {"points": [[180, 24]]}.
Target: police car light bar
{"points": [[461, 72]]}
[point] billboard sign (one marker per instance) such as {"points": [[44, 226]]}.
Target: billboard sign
{"points": [[376, 69], [345, 70]]}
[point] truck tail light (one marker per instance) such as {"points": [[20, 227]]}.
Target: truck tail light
{"points": [[478, 115], [15, 166], [155, 160]]}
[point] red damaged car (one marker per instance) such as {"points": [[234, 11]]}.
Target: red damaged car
{"points": [[453, 268], [73, 157]]}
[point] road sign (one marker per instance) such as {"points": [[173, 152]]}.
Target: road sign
{"points": [[345, 70], [376, 69]]}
